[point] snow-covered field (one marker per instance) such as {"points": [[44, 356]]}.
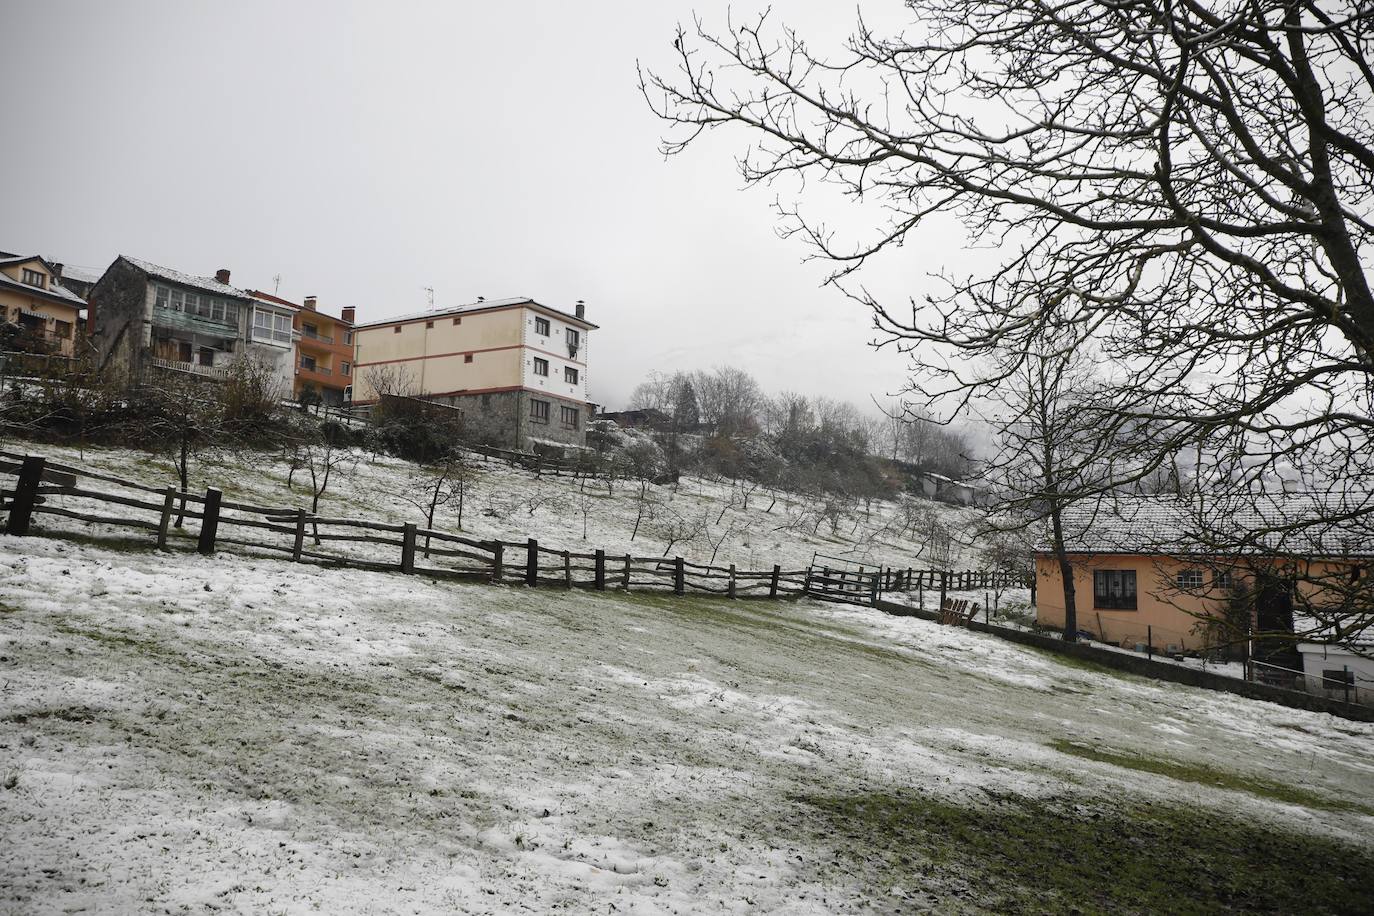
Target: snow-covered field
{"points": [[512, 504], [182, 734]]}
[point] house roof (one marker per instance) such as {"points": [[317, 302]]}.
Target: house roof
{"points": [[485, 305], [278, 300], [55, 291], [206, 284], [1310, 525]]}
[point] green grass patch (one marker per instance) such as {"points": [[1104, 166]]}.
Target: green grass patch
{"points": [[1023, 855], [1210, 776]]}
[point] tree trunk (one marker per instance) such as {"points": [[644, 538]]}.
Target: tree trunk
{"points": [[1066, 575]]}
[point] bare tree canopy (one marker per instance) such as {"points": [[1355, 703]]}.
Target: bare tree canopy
{"points": [[1183, 188]]}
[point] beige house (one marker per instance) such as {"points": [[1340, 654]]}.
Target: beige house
{"points": [[517, 368], [40, 313]]}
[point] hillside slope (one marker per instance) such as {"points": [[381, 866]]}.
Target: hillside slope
{"points": [[188, 734], [514, 504]]}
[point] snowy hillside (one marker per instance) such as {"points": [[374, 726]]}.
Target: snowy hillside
{"points": [[187, 734], [514, 504]]}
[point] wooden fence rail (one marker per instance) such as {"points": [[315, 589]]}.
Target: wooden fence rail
{"points": [[306, 537], [407, 548]]}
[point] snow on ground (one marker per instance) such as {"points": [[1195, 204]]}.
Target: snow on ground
{"points": [[183, 734], [513, 504]]}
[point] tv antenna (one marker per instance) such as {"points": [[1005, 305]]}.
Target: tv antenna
{"points": [[276, 284], [429, 291]]}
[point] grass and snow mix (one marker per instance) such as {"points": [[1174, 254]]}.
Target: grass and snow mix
{"points": [[188, 734]]}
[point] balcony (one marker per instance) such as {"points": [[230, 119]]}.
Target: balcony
{"points": [[316, 335], [217, 372], [315, 370]]}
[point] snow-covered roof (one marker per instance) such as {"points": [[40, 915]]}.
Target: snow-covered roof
{"points": [[1290, 524], [432, 314], [81, 274], [207, 284], [54, 289]]}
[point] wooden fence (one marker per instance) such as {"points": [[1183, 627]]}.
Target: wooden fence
{"points": [[304, 537], [894, 579]]}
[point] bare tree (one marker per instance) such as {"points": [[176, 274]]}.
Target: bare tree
{"points": [[1183, 187], [447, 483]]}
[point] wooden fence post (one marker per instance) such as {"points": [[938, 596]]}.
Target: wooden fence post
{"points": [[679, 577], [25, 494], [298, 546], [625, 582], [531, 562], [408, 547], [944, 587], [600, 570], [169, 497], [497, 555], [773, 586], [567, 570], [209, 523], [732, 580], [873, 591]]}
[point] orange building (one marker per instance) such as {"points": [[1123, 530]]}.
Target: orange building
{"points": [[1155, 570], [323, 359]]}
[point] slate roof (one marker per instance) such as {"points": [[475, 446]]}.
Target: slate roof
{"points": [[1290, 524], [205, 284], [432, 314]]}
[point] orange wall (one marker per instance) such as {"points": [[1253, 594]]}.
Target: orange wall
{"points": [[1172, 615]]}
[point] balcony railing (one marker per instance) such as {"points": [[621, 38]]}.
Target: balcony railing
{"points": [[193, 368], [319, 370], [267, 335], [315, 335]]}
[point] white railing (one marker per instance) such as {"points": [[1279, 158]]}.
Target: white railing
{"points": [[194, 368]]}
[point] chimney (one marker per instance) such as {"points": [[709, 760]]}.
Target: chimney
{"points": [[348, 314], [222, 276], [581, 310], [57, 270], [310, 303]]}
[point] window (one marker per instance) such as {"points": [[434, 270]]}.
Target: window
{"points": [[176, 301], [163, 295], [184, 351], [310, 330], [62, 329], [308, 363], [467, 357], [1336, 677], [458, 320], [574, 338], [1189, 580], [429, 324], [541, 366], [539, 411], [570, 375], [396, 329], [348, 338], [1114, 589], [541, 327], [207, 356], [34, 278], [570, 416], [345, 368], [1221, 580]]}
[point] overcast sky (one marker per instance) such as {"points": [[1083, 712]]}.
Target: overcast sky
{"points": [[365, 151]]}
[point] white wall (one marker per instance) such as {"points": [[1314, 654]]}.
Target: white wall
{"points": [[554, 348]]}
